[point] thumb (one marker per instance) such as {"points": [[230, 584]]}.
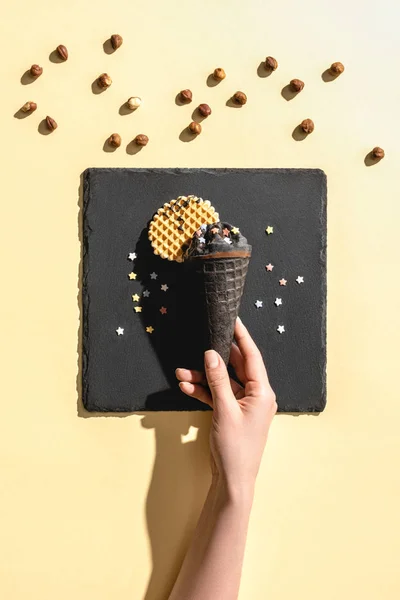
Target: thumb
{"points": [[217, 377]]}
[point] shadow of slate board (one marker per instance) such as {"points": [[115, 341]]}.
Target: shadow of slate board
{"points": [[135, 371]]}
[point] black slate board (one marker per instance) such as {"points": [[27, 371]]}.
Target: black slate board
{"points": [[135, 371]]}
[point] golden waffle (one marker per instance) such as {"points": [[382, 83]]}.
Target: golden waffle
{"points": [[174, 224]]}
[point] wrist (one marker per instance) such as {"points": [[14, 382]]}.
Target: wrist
{"points": [[233, 492]]}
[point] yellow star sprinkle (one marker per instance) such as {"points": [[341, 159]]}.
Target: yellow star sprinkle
{"points": [[269, 230], [149, 329], [235, 230], [137, 308], [132, 275], [135, 297]]}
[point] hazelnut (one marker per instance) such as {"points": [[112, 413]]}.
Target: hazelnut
{"points": [[51, 124], [134, 102], [307, 125], [337, 68], [296, 85], [29, 107], [194, 127], [271, 64], [219, 74], [114, 140], [141, 139], [62, 52], [204, 110], [378, 153], [104, 81], [240, 98], [36, 71], [116, 41], [185, 96]]}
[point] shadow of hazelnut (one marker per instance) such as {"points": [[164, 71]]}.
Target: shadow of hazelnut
{"points": [[371, 160], [27, 78], [187, 136], [20, 114], [197, 116], [133, 148], [107, 47], [179, 101], [328, 76], [287, 93], [211, 82], [55, 58], [96, 89], [262, 71], [107, 146], [125, 110], [299, 134], [43, 129], [232, 104]]}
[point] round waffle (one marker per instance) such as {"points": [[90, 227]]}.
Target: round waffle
{"points": [[174, 224]]}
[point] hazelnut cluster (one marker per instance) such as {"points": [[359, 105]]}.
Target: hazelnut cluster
{"points": [[115, 140], [36, 71], [204, 110], [185, 96]]}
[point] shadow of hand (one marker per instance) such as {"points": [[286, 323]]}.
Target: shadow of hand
{"points": [[180, 480]]}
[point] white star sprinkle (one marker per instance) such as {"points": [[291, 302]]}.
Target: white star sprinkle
{"points": [[227, 240], [153, 275], [146, 293], [300, 279], [202, 240], [164, 287], [203, 227], [278, 301], [120, 331], [280, 329], [131, 255], [258, 303]]}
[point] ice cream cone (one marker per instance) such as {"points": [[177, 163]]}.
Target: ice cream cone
{"points": [[221, 281], [220, 259]]}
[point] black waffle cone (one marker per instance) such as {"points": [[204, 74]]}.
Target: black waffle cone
{"points": [[221, 282]]}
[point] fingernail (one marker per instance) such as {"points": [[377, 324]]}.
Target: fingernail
{"points": [[239, 319], [211, 359]]}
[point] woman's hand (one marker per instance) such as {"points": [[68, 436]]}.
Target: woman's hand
{"points": [[242, 413], [240, 423]]}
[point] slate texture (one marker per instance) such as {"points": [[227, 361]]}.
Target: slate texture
{"points": [[135, 371]]}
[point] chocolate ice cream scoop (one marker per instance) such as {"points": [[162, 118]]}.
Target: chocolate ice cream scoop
{"points": [[217, 240]]}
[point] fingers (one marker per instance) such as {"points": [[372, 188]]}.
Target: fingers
{"points": [[196, 391], [254, 367], [237, 389], [217, 378], [237, 362], [198, 377], [190, 375]]}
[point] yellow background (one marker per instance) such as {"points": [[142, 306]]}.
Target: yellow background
{"points": [[100, 508]]}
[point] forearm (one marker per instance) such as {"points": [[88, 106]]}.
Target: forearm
{"points": [[213, 564]]}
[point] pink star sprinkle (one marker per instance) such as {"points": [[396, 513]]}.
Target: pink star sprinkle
{"points": [[269, 267], [282, 282], [163, 310], [225, 231]]}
